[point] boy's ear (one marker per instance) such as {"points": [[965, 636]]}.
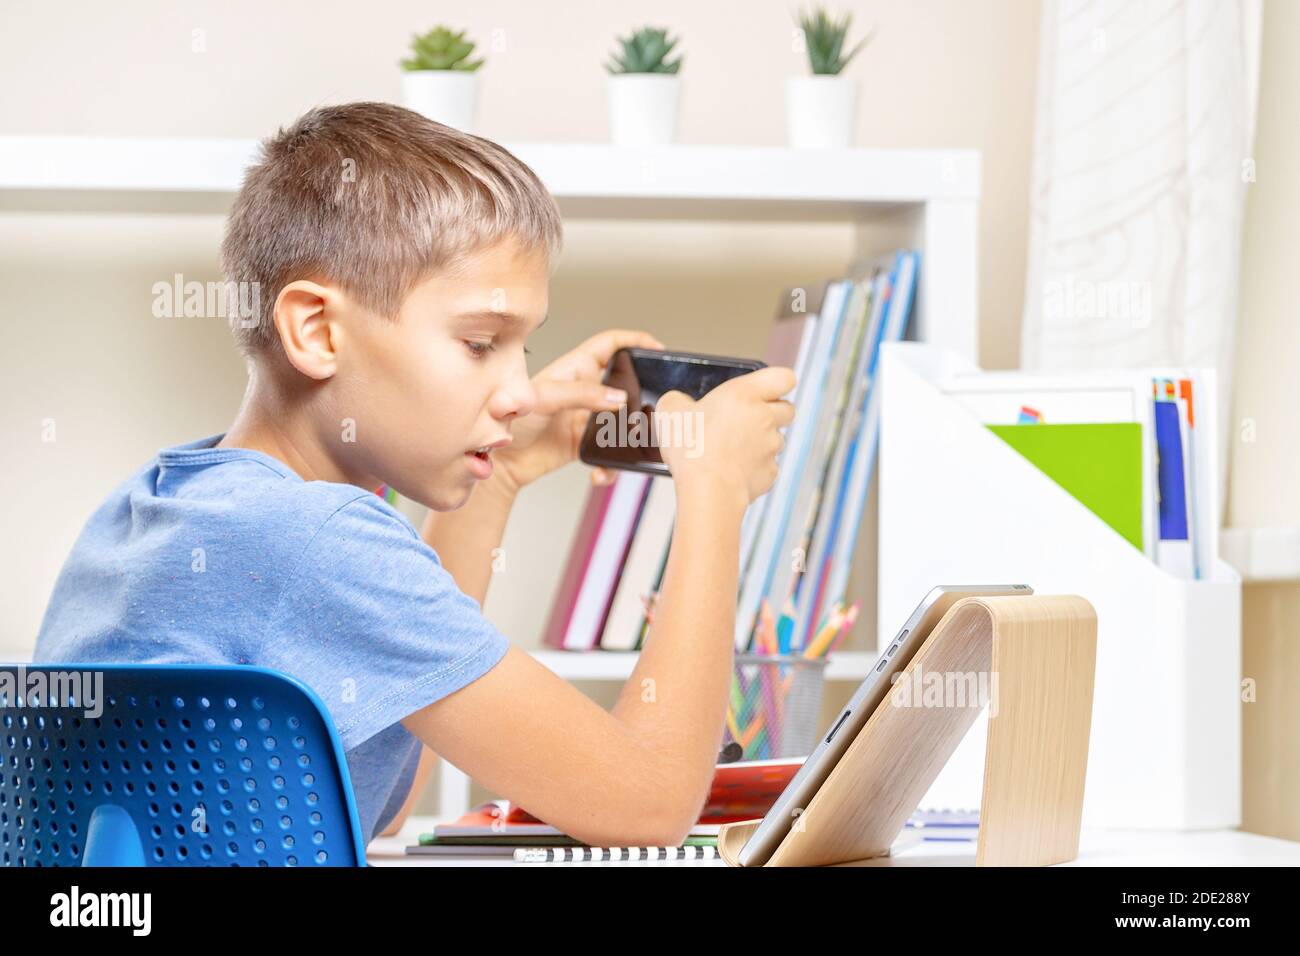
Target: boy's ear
{"points": [[303, 318]]}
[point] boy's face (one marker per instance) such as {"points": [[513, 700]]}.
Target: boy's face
{"points": [[447, 377]]}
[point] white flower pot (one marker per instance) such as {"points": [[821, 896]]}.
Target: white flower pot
{"points": [[821, 111], [643, 108], [446, 96]]}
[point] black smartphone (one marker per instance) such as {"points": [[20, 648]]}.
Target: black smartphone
{"points": [[630, 438]]}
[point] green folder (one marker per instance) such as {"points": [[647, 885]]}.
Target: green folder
{"points": [[1100, 464]]}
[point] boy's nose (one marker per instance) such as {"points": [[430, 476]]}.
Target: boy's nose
{"points": [[518, 397]]}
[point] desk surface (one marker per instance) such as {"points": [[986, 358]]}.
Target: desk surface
{"points": [[1096, 848]]}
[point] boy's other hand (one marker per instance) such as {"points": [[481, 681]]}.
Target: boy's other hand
{"points": [[731, 437], [568, 391]]}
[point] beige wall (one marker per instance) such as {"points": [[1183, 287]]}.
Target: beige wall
{"points": [[80, 345], [1265, 428], [1265, 440]]}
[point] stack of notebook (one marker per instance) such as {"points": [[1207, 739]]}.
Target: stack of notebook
{"points": [[798, 539], [742, 790]]}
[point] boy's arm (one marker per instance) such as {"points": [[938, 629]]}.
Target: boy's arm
{"points": [[638, 774], [464, 540]]}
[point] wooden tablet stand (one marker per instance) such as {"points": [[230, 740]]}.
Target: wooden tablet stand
{"points": [[1037, 655]]}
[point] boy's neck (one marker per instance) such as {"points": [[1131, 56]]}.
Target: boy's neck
{"points": [[277, 422]]}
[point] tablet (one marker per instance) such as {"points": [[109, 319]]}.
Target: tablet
{"points": [[844, 729]]}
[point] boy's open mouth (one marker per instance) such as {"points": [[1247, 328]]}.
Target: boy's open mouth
{"points": [[482, 457], [483, 451]]}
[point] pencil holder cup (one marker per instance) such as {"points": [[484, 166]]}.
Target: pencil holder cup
{"points": [[775, 703]]}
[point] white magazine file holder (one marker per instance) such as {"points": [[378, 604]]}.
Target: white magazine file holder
{"points": [[959, 505]]}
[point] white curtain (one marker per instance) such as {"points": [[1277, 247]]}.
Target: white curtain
{"points": [[1142, 158]]}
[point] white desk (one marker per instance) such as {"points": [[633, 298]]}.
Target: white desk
{"points": [[1096, 848]]}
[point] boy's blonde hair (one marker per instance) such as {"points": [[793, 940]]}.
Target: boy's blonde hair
{"points": [[376, 198]]}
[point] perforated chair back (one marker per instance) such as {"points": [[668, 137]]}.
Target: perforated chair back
{"points": [[170, 765]]}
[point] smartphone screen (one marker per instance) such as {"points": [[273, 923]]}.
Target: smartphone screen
{"points": [[630, 438]]}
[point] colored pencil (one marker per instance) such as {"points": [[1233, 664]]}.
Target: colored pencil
{"points": [[784, 627], [817, 647], [846, 627], [767, 629], [770, 707]]}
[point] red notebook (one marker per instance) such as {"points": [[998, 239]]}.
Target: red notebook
{"points": [[744, 790]]}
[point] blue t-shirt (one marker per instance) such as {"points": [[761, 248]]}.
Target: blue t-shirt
{"points": [[226, 556]]}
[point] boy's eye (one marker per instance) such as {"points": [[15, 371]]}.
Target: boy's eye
{"points": [[481, 349]]}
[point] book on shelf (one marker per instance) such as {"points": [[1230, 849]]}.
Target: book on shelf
{"points": [[789, 345], [622, 628], [835, 537], [805, 546], [810, 584], [793, 550], [756, 581], [651, 597], [595, 563], [797, 539], [1180, 548]]}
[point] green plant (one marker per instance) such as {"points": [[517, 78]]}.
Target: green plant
{"points": [[645, 51], [824, 38], [441, 49]]}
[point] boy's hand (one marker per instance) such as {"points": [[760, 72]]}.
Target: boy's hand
{"points": [[568, 391], [730, 438]]}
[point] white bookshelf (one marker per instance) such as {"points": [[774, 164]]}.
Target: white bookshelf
{"points": [[924, 199]]}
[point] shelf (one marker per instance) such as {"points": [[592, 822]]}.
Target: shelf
{"points": [[926, 199], [617, 665], [590, 180], [1262, 554]]}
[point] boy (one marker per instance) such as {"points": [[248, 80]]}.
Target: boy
{"points": [[401, 265]]}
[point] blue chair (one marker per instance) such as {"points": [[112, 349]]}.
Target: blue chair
{"points": [[170, 765]]}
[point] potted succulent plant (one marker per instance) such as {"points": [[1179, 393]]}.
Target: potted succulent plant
{"points": [[643, 89], [821, 109], [440, 80]]}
